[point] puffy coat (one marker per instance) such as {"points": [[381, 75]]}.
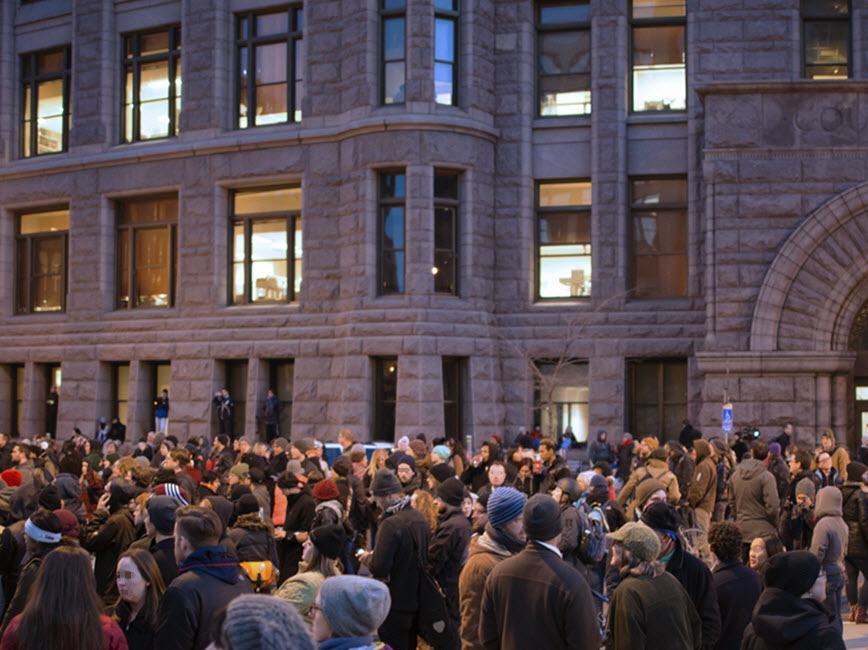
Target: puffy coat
{"points": [[782, 621], [753, 498], [855, 513], [484, 555], [654, 468], [253, 540], [831, 534], [703, 487]]}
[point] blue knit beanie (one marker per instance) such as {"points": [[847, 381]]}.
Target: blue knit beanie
{"points": [[504, 505]]}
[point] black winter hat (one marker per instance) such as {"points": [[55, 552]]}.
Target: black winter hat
{"points": [[288, 480], [49, 498], [542, 518], [385, 483], [246, 505], [451, 491], [329, 540], [795, 572], [256, 475], [441, 472], [855, 470], [238, 490], [161, 512], [661, 516]]}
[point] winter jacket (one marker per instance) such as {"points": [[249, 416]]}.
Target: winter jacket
{"points": [[113, 635], [210, 578], [107, 537], [781, 472], [300, 591], [536, 600], [625, 460], [484, 555], [831, 534], [855, 513], [753, 498], [448, 552], [652, 613], [696, 579], [571, 536], [834, 479], [553, 473], [164, 556], [138, 632], [703, 487], [654, 468], [682, 465], [738, 588], [253, 540], [300, 511], [782, 621], [25, 581]]}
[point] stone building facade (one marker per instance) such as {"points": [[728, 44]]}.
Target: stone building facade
{"points": [[747, 286]]}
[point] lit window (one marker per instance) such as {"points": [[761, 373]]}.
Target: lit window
{"points": [[45, 102], [564, 58], [393, 49], [40, 252], [445, 267], [561, 398], [266, 245], [147, 253], [826, 38], [659, 72], [445, 51], [391, 232], [659, 246], [270, 67], [152, 86], [564, 239]]}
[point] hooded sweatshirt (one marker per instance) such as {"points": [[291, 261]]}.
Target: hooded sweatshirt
{"points": [[831, 534], [783, 621], [753, 494]]}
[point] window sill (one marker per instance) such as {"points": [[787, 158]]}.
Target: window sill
{"points": [[677, 302], [561, 121], [556, 303], [662, 117], [265, 307]]}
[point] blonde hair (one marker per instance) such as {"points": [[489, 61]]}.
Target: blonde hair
{"points": [[372, 466]]}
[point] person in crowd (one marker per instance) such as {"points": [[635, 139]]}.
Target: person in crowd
{"points": [[753, 497], [789, 614], [161, 411], [476, 473], [348, 611], [649, 608], [762, 549], [701, 493], [829, 544], [648, 492], [839, 455], [601, 449], [260, 622], [63, 609], [319, 561], [407, 474], [690, 571], [378, 461], [724, 461], [140, 586], [682, 464], [497, 476], [209, 579], [566, 493], [778, 467], [554, 468], [655, 467], [399, 553], [797, 518], [300, 511], [160, 525], [225, 410], [524, 479], [503, 537], [423, 501], [737, 586], [456, 457], [826, 474], [220, 458], [800, 468], [253, 539], [625, 457], [855, 512], [272, 416], [535, 599]]}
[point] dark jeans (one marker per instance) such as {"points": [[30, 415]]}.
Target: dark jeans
{"points": [[399, 630], [855, 566], [834, 587]]}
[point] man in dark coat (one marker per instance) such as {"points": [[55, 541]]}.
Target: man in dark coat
{"points": [[300, 511], [209, 579], [535, 599], [160, 523], [554, 467], [691, 572], [738, 587], [401, 547]]}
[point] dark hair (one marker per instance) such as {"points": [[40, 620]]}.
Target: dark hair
{"points": [[209, 476], [773, 543], [724, 538], [147, 566], [803, 458], [548, 444], [63, 610], [199, 526], [760, 450], [164, 475]]}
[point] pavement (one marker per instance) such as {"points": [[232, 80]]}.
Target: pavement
{"points": [[855, 636]]}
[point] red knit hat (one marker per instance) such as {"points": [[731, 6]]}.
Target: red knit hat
{"points": [[11, 477], [325, 490]]}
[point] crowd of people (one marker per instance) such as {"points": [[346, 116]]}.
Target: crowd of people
{"points": [[235, 544]]}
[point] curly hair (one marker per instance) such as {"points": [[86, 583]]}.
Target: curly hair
{"points": [[724, 538]]}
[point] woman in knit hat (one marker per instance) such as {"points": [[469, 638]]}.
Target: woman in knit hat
{"points": [[260, 622], [347, 613]]}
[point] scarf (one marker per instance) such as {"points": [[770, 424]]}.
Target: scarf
{"points": [[506, 540], [398, 505]]}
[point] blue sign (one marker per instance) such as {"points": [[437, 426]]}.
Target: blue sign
{"points": [[727, 418]]}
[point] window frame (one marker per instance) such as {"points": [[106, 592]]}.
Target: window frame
{"points": [[28, 240], [453, 16], [663, 21], [380, 402], [384, 203], [454, 204], [293, 221], [572, 26], [387, 14], [661, 403], [453, 375], [172, 59], [634, 210], [171, 227], [32, 81], [806, 17], [295, 34]]}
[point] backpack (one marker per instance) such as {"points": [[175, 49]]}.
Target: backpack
{"points": [[593, 545]]}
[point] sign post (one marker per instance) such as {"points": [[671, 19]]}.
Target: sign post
{"points": [[727, 420]]}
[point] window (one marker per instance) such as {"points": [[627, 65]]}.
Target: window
{"points": [[445, 267], [40, 261], [658, 397], [152, 84], [826, 38], [391, 233], [45, 102], [160, 376], [659, 73], [385, 397], [281, 378], [564, 58], [561, 398], [659, 245], [18, 391], [236, 382], [266, 245], [147, 252], [453, 396], [270, 67], [120, 392], [564, 239], [393, 18], [445, 51]]}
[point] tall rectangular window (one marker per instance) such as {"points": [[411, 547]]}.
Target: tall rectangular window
{"points": [[659, 72], [270, 67], [564, 239], [147, 252], [385, 397], [393, 50], [445, 267], [18, 391], [120, 391], [564, 57], [453, 393], [445, 51], [266, 245], [45, 78], [40, 261], [392, 197], [160, 375], [826, 38], [561, 398], [236, 382], [281, 379], [658, 396], [659, 246], [152, 84]]}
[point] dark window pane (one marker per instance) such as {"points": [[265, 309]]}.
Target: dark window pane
{"points": [[444, 219], [393, 227], [271, 63], [444, 278], [391, 186], [446, 5], [653, 191], [826, 43], [394, 4], [565, 228], [154, 43], [565, 52], [553, 13], [656, 46], [49, 62], [271, 104], [826, 7], [446, 186], [272, 24], [22, 271], [393, 39], [393, 271]]}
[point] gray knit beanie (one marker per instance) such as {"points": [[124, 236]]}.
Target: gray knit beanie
{"points": [[354, 606], [260, 622]]}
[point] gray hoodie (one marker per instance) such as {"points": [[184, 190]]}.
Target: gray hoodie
{"points": [[831, 535], [753, 493]]}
